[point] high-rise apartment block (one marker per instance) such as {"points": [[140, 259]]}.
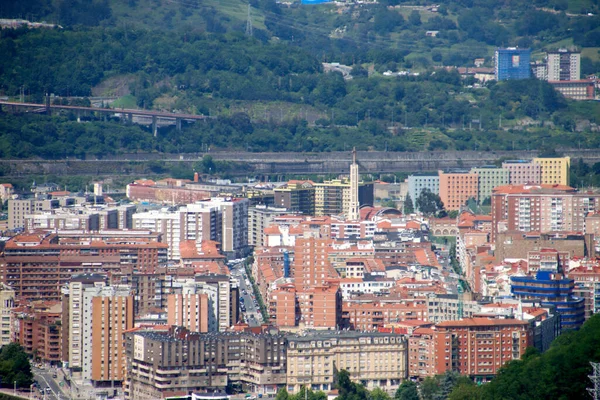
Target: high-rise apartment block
{"points": [[456, 188], [260, 217], [179, 362], [490, 176], [512, 63], [18, 209], [296, 196], [541, 208], [189, 310], [37, 328], [563, 65], [479, 347], [7, 302], [333, 197], [555, 171], [522, 172], [36, 265]]}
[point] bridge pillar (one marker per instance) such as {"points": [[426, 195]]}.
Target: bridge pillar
{"points": [[178, 124], [154, 126], [130, 117], [78, 115]]}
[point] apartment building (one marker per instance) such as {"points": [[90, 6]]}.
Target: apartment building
{"points": [[321, 306], [448, 307], [110, 314], [73, 319], [189, 311], [37, 328], [555, 171], [456, 188], [234, 237], [18, 209], [377, 312], [311, 263], [260, 217], [490, 177], [419, 182], [523, 172], [334, 197], [296, 196], [586, 278], [479, 347], [541, 208], [82, 217], [372, 358], [421, 353], [36, 265], [7, 302], [563, 65], [178, 362], [196, 221]]}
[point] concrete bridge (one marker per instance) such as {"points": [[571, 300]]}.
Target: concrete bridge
{"points": [[145, 117]]}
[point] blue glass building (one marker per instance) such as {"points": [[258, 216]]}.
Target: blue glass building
{"points": [[513, 63], [551, 288]]}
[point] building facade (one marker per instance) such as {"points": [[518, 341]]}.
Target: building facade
{"points": [[512, 63], [371, 358], [563, 65], [418, 182], [456, 188], [490, 177], [523, 172], [555, 171]]}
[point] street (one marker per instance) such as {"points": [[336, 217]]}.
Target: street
{"points": [[248, 303], [45, 380]]}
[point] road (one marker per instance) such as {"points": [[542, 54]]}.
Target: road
{"points": [[45, 380], [248, 302]]}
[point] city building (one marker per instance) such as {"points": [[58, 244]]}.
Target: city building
{"points": [[19, 208], [583, 89], [555, 171], [450, 307], [36, 265], [110, 315], [189, 311], [489, 177], [334, 197], [541, 208], [351, 213], [320, 306], [421, 353], [197, 221], [296, 196], [563, 65], [456, 188], [523, 172], [374, 359], [164, 364], [512, 63], [7, 302], [548, 288], [479, 347], [260, 217], [586, 277], [519, 245], [418, 182], [37, 328]]}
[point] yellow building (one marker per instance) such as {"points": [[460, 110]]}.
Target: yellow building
{"points": [[334, 197], [372, 358], [554, 170]]}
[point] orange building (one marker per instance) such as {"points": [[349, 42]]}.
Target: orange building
{"points": [[368, 316], [283, 306], [478, 347], [311, 264], [456, 188], [421, 357], [321, 306], [111, 316], [38, 329], [189, 311]]}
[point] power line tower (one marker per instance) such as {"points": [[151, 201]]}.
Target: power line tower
{"points": [[249, 23], [595, 378]]}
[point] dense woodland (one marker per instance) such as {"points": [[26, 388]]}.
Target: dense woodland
{"points": [[269, 92]]}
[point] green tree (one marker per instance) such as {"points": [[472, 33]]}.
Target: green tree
{"points": [[414, 18], [379, 394], [409, 208], [407, 391], [430, 388], [428, 202], [15, 366], [282, 394], [466, 391]]}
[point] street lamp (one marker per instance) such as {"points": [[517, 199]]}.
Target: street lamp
{"points": [[15, 393]]}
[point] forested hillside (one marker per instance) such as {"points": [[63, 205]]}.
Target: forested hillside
{"points": [[269, 92]]}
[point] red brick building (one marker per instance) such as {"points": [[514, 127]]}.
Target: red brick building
{"points": [[38, 329], [478, 347]]}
